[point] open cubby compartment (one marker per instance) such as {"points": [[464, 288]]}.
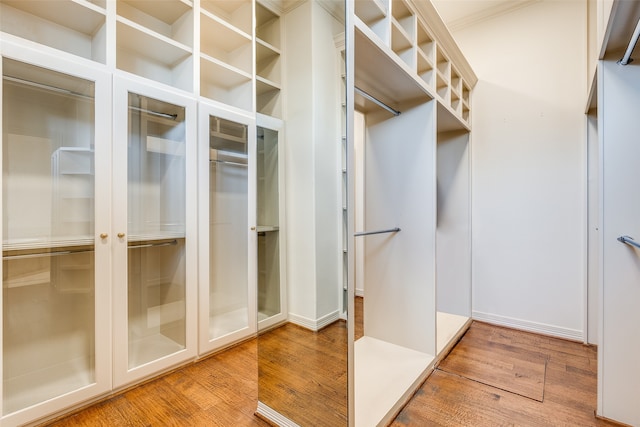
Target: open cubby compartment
{"points": [[224, 84], [465, 113], [425, 68], [456, 81], [402, 45], [456, 102], [373, 14], [267, 62], [237, 13], [442, 88], [465, 93], [158, 59], [443, 65], [226, 43], [371, 11], [425, 42], [268, 98], [77, 27], [404, 18], [172, 19], [267, 26]]}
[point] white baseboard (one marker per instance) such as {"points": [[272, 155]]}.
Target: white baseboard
{"points": [[275, 417], [525, 325], [314, 324]]}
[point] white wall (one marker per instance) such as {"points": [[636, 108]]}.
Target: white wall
{"points": [[529, 167]]}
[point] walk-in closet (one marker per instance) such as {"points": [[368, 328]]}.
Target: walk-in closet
{"points": [[183, 177]]}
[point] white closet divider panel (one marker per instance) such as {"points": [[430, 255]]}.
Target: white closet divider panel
{"points": [[400, 267], [453, 240]]}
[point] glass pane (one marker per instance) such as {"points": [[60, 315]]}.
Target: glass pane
{"points": [[228, 228], [48, 222], [268, 224], [156, 229]]}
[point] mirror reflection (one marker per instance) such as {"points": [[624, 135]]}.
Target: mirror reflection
{"points": [[301, 214]]}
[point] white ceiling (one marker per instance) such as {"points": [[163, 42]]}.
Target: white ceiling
{"points": [[461, 13]]}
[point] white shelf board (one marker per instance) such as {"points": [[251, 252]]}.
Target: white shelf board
{"points": [[375, 63], [225, 323], [384, 373], [48, 383], [224, 35], [167, 11], [42, 243], [150, 348], [264, 86], [448, 327], [220, 73], [161, 49], [83, 17]]}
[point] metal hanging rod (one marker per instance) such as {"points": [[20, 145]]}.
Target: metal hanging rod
{"points": [[629, 241], [154, 245], [368, 233], [45, 254], [377, 101], [227, 162], [46, 87], [626, 59], [154, 113]]}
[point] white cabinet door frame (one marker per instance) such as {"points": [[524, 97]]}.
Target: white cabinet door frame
{"points": [[102, 139], [123, 374], [206, 342]]}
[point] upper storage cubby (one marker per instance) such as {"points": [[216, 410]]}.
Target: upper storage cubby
{"points": [[268, 61], [374, 13], [226, 52], [413, 36], [403, 32], [426, 48], [155, 40], [74, 26]]}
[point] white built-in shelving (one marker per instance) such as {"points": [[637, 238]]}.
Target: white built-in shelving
{"points": [[268, 61], [76, 27], [415, 114], [226, 52], [401, 29], [156, 40]]}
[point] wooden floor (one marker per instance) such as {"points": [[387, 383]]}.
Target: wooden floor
{"points": [[451, 399], [222, 391]]}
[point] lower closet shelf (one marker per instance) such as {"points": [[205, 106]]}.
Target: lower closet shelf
{"points": [[380, 385]]}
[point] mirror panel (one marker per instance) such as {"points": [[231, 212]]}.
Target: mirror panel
{"points": [[303, 338]]}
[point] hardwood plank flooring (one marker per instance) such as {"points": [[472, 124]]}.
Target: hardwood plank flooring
{"points": [[516, 369], [222, 391], [446, 399], [297, 365]]}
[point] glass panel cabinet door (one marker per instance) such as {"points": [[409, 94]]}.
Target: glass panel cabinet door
{"points": [[51, 323], [271, 293], [156, 236], [227, 271]]}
